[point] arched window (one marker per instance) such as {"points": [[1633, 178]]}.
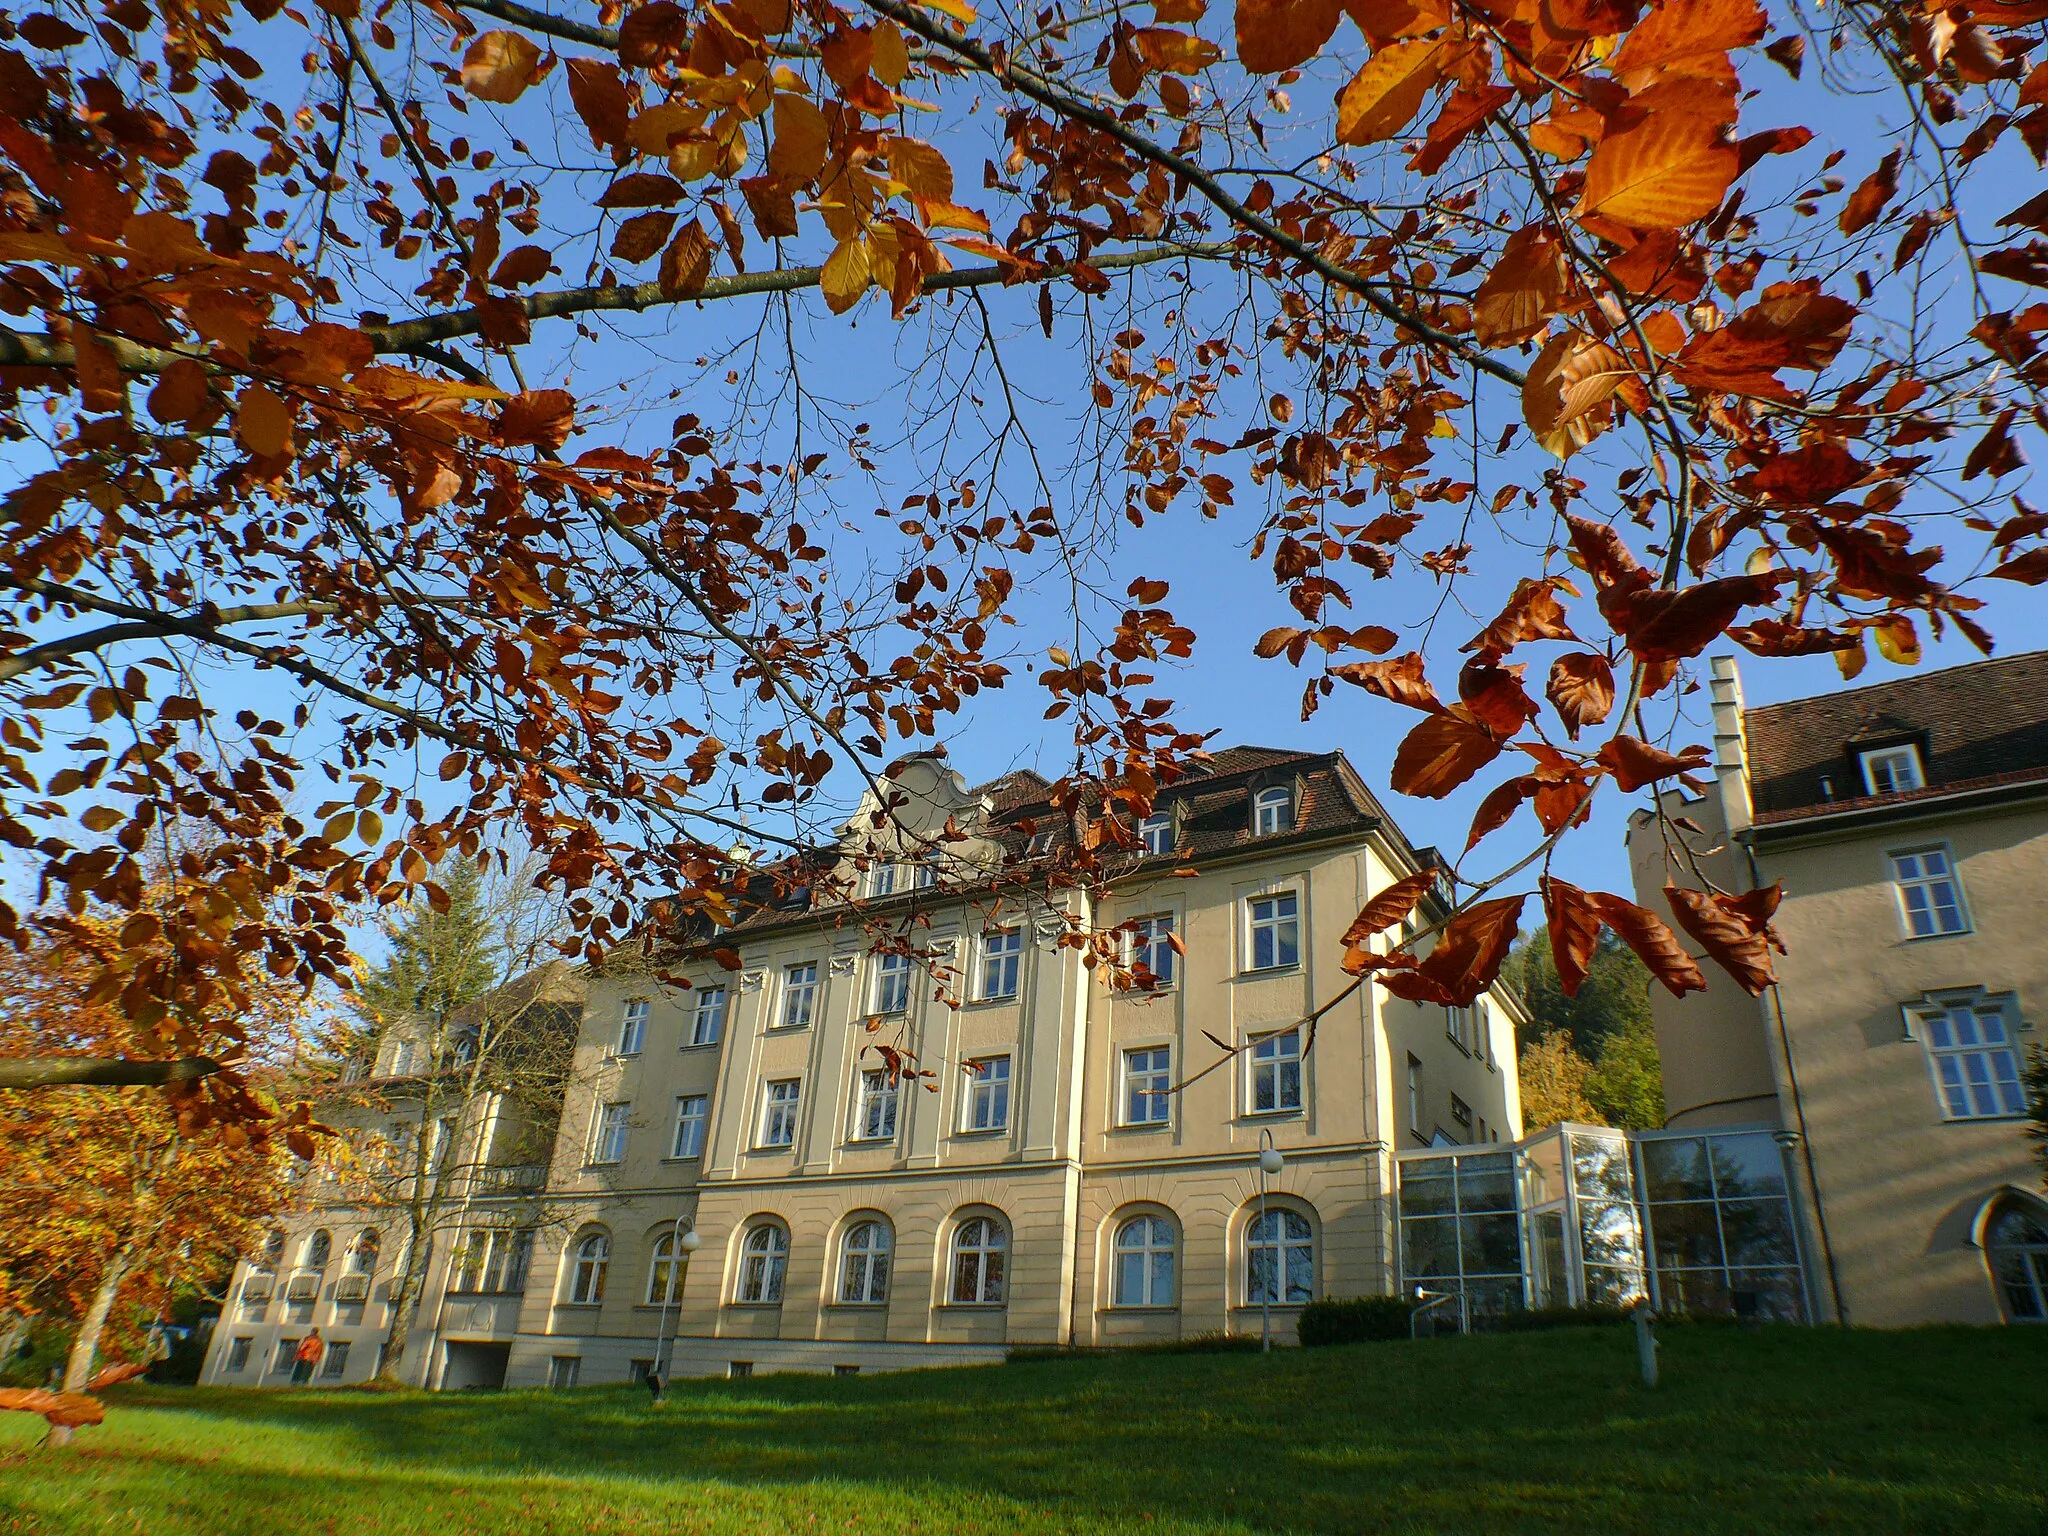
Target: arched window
{"points": [[586, 1274], [1273, 811], [979, 1248], [864, 1267], [319, 1247], [763, 1262], [2018, 1247], [665, 1275], [1144, 1263], [362, 1253], [1279, 1259], [273, 1251]]}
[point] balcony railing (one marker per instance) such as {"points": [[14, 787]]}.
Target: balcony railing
{"points": [[512, 1179]]}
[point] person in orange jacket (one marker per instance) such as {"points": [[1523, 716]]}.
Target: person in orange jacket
{"points": [[306, 1357]]}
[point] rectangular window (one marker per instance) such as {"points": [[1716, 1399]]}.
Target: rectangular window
{"points": [[1928, 893], [875, 1116], [1462, 1113], [337, 1359], [988, 1094], [1415, 1096], [282, 1362], [1458, 1025], [633, 1027], [611, 1134], [708, 1022], [689, 1138], [1002, 953], [1157, 830], [1148, 1079], [799, 995], [923, 875], [1152, 947], [1275, 931], [1893, 770], [778, 1123], [892, 983], [1276, 1072], [1976, 1068], [238, 1354], [562, 1371], [882, 880]]}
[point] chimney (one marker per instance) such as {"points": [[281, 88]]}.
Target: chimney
{"points": [[1731, 753]]}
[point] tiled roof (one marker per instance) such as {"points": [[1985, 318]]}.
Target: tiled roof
{"points": [[1977, 726]]}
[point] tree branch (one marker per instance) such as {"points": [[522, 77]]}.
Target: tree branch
{"points": [[51, 652], [101, 1071]]}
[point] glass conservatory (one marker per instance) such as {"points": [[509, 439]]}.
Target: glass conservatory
{"points": [[1698, 1222]]}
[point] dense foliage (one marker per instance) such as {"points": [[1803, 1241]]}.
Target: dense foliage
{"points": [[333, 545], [1591, 1056]]}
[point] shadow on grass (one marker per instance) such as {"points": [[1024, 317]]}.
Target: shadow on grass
{"points": [[1751, 1431]]}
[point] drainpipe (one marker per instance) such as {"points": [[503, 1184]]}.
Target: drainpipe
{"points": [[1820, 1214]]}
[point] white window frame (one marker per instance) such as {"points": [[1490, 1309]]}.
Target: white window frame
{"points": [[923, 875], [687, 1139], [707, 1019], [1938, 1022], [1151, 947], [588, 1261], [987, 1100], [1458, 1026], [1156, 833], [1280, 924], [239, 1347], [1918, 880], [1273, 811], [876, 1101], [1285, 1240], [985, 1241], [666, 1266], [1268, 1061], [782, 1101], [1154, 1235], [1002, 968], [881, 879], [401, 1059], [633, 1026], [799, 995], [1890, 758], [1415, 1094], [1147, 1085], [892, 983], [764, 1265], [608, 1143], [864, 1262]]}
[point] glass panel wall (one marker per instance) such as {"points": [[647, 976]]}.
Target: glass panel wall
{"points": [[1579, 1215]]}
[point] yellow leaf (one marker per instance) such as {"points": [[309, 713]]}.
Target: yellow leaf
{"points": [[499, 66], [101, 818], [263, 422], [1385, 95], [892, 56], [956, 9], [846, 275], [338, 828], [801, 139], [1663, 164], [370, 828], [1897, 641]]}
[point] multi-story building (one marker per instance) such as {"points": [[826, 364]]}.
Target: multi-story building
{"points": [[1908, 824], [739, 1182], [445, 1131]]}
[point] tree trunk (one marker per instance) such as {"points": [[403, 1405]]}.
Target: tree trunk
{"points": [[101, 1071], [406, 1290], [85, 1347]]}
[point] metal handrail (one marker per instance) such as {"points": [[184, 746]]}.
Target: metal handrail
{"points": [[1429, 1301]]}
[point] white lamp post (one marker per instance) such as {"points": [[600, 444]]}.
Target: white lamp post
{"points": [[687, 1242], [1270, 1164]]}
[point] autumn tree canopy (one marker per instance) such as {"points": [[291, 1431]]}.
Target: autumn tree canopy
{"points": [[329, 553]]}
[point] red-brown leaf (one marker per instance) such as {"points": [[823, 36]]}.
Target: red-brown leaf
{"points": [[1467, 957], [1871, 195], [1636, 763], [599, 96], [1399, 680], [1274, 35], [1581, 688], [1390, 906], [1441, 753], [1735, 931], [1498, 808]]}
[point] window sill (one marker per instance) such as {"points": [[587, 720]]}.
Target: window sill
{"points": [[1266, 972], [785, 1146], [1932, 938], [868, 1143], [701, 1045], [578, 1306], [598, 1167], [1292, 1112], [623, 1055], [753, 1306], [785, 1029], [989, 1002], [857, 1306], [692, 1157], [1140, 1127], [973, 1306], [983, 1132], [1118, 1310], [1984, 1119]]}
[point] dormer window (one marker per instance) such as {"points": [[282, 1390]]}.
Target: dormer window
{"points": [[882, 880], [1273, 811], [1157, 831], [1893, 770]]}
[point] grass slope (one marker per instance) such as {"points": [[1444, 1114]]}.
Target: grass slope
{"points": [[1778, 1430]]}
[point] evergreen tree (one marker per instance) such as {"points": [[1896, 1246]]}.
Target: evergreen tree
{"points": [[439, 960]]}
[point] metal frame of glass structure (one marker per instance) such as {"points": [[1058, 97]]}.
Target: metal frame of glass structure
{"points": [[1694, 1221]]}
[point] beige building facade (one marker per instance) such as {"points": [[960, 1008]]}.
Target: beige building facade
{"points": [[738, 1184], [1908, 825]]}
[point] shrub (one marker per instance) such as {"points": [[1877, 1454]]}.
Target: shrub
{"points": [[1361, 1320]]}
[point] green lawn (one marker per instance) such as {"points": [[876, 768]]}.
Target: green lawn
{"points": [[1777, 1430]]}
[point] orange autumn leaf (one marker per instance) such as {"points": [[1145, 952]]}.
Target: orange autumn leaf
{"points": [[1388, 90], [1276, 35], [1664, 161], [499, 66]]}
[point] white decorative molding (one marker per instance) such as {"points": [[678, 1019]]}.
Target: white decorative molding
{"points": [[750, 981], [840, 965], [1048, 930], [942, 948]]}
